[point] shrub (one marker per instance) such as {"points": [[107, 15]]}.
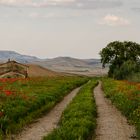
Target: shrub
{"points": [[127, 69]]}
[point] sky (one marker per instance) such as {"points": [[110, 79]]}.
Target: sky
{"points": [[75, 28]]}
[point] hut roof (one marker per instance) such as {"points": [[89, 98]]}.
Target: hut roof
{"points": [[15, 62]]}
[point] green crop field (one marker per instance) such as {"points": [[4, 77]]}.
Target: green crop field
{"points": [[23, 100]]}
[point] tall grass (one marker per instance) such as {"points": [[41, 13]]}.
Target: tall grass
{"points": [[135, 77], [78, 121]]}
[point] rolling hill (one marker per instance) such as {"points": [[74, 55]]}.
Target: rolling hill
{"points": [[61, 63], [90, 67], [5, 55], [58, 64], [39, 71]]}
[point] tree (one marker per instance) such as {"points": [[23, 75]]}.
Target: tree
{"points": [[117, 53]]}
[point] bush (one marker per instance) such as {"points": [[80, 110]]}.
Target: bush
{"points": [[127, 69]]}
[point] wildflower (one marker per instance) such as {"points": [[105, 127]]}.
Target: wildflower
{"points": [[1, 114], [12, 80], [8, 92], [1, 88]]}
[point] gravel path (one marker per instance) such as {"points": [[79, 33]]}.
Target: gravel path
{"points": [[46, 124], [111, 125]]}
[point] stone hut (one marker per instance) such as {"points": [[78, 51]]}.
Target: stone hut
{"points": [[13, 69]]}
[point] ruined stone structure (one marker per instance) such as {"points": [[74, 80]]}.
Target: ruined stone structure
{"points": [[13, 69]]}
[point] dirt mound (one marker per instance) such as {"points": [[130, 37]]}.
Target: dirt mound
{"points": [[37, 71]]}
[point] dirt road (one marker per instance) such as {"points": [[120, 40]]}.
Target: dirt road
{"points": [[46, 124], [111, 125]]}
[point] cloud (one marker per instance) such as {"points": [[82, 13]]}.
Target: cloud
{"points": [[78, 4], [15, 2], [113, 20], [136, 9], [85, 4], [53, 15], [36, 15], [61, 0], [40, 3]]}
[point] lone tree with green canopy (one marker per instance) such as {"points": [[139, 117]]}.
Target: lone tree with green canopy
{"points": [[123, 58]]}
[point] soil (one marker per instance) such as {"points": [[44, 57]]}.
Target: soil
{"points": [[38, 71], [46, 124], [111, 124]]}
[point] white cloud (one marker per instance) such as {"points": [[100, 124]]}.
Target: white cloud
{"points": [[34, 15], [40, 3], [53, 15], [43, 16], [83, 4], [113, 20], [15, 2], [60, 3], [62, 0]]}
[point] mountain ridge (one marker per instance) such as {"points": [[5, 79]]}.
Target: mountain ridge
{"points": [[5, 55], [13, 55]]}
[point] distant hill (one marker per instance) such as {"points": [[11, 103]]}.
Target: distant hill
{"points": [[38, 71], [59, 64], [90, 67], [52, 63], [5, 55]]}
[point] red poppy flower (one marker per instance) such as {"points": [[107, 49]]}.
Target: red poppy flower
{"points": [[1, 114], [8, 92]]}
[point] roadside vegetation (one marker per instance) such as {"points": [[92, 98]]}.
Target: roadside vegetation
{"points": [[78, 121], [126, 97], [123, 59], [23, 100]]}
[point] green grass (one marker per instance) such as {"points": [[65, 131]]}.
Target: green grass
{"points": [[126, 97], [78, 121], [135, 77], [23, 100]]}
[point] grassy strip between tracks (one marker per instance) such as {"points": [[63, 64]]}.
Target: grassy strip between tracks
{"points": [[24, 100], [78, 121]]}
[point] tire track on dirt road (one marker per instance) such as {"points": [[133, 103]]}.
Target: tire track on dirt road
{"points": [[46, 124], [111, 124]]}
